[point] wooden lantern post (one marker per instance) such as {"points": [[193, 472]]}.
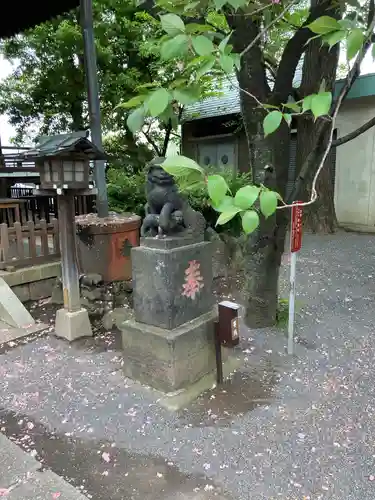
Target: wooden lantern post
{"points": [[63, 162]]}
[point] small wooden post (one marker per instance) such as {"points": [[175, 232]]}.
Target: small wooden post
{"points": [[19, 240], [56, 238], [70, 276], [32, 241], [44, 237]]}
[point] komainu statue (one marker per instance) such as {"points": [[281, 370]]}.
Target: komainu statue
{"points": [[167, 211]]}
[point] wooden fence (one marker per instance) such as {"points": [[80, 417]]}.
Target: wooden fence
{"points": [[29, 244], [36, 208]]}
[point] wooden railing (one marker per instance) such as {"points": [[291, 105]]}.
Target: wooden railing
{"points": [[36, 208], [29, 244]]}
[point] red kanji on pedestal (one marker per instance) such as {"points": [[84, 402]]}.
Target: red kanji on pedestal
{"points": [[193, 280]]}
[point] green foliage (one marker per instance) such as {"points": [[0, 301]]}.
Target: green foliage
{"points": [[172, 24], [46, 92], [199, 200], [324, 25], [227, 206], [125, 154], [354, 43], [321, 104], [272, 122], [126, 192], [250, 221], [217, 188], [268, 202]]}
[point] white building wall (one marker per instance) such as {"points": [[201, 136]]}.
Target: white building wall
{"points": [[355, 168]]}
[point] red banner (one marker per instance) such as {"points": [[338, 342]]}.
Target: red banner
{"points": [[296, 227]]}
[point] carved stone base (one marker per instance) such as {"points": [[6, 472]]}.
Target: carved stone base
{"points": [[169, 360], [172, 280]]}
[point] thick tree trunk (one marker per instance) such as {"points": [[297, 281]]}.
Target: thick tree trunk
{"points": [[269, 160], [320, 65]]}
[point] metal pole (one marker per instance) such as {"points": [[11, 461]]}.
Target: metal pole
{"points": [[94, 104], [70, 276], [219, 360], [292, 298]]}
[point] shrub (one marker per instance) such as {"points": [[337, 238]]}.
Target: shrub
{"points": [[126, 192]]}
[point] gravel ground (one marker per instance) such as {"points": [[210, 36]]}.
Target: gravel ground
{"points": [[284, 427]]}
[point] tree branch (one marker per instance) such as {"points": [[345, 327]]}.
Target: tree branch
{"points": [[264, 30], [167, 136], [152, 142], [293, 52], [350, 79], [352, 135]]}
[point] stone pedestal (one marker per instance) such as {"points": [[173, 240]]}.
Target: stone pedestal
{"points": [[170, 343], [72, 325]]}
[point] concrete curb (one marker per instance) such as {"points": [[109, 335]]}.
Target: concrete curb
{"points": [[21, 477]]}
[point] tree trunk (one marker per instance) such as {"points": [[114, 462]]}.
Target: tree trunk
{"points": [[269, 159], [320, 64]]}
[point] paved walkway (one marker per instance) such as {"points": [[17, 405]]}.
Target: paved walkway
{"points": [[22, 478], [298, 428]]}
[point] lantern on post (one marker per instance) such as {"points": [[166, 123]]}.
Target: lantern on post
{"points": [[63, 162]]}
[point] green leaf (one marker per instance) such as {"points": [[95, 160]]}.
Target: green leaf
{"points": [[250, 221], [227, 216], [206, 67], [157, 102], [172, 24], [219, 4], [191, 6], [322, 86], [224, 42], [237, 60], [323, 25], [272, 122], [225, 205], [373, 51], [321, 104], [268, 203], [133, 102], [203, 45], [176, 47], [227, 63], [246, 196], [293, 105], [236, 4], [135, 120], [198, 28], [354, 43], [306, 103], [270, 106], [217, 188], [185, 97], [346, 24], [288, 118], [180, 166], [332, 38]]}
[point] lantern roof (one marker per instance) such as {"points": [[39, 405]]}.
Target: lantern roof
{"points": [[21, 16], [63, 145]]}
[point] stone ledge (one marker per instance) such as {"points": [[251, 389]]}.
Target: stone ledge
{"points": [[31, 274]]}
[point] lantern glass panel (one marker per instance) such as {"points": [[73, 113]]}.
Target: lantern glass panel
{"points": [[46, 173], [56, 170], [80, 171], [68, 170]]}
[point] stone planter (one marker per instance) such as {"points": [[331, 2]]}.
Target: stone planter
{"points": [[104, 245]]}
